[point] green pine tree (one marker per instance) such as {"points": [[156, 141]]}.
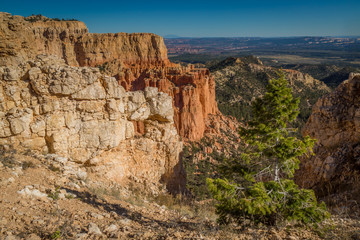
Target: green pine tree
{"points": [[257, 185]]}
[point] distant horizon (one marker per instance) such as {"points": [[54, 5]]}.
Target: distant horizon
{"points": [[173, 36], [351, 36], [205, 19]]}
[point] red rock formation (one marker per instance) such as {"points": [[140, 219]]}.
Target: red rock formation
{"points": [[136, 60], [193, 92]]}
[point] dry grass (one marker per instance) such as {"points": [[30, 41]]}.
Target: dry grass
{"points": [[203, 213]]}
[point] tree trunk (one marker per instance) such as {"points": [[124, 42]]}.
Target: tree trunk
{"points": [[276, 171], [277, 165]]}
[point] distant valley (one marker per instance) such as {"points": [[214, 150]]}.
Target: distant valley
{"points": [[290, 50], [328, 59]]}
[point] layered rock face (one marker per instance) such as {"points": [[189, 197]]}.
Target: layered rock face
{"points": [[335, 123], [81, 114], [70, 40], [136, 60], [22, 40]]}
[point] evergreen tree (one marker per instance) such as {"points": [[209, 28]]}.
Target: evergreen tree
{"points": [[257, 185]]}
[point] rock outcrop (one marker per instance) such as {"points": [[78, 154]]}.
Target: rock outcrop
{"points": [[335, 123], [136, 60], [70, 40], [87, 117]]}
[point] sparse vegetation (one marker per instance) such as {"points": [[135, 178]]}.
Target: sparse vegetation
{"points": [[54, 168], [39, 17], [56, 235], [100, 192], [197, 172], [7, 156], [238, 84], [164, 215], [331, 75], [55, 194], [102, 67], [27, 164]]}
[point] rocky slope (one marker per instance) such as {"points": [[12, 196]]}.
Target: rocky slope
{"points": [[331, 75], [87, 117], [334, 169], [44, 198], [136, 60], [241, 80]]}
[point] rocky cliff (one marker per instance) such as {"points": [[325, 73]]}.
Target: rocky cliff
{"points": [[85, 116], [136, 60], [71, 41], [334, 170]]}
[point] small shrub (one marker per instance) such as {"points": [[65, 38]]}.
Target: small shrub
{"points": [[7, 157], [27, 164], [56, 235], [39, 17], [69, 196], [100, 192], [55, 194], [8, 161], [54, 169]]}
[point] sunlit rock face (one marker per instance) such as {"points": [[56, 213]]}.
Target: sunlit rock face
{"points": [[335, 123], [87, 117], [136, 61]]}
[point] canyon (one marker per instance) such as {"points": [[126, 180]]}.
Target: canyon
{"points": [[93, 128], [93, 97]]}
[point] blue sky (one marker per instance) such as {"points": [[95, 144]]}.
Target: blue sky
{"points": [[219, 18]]}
